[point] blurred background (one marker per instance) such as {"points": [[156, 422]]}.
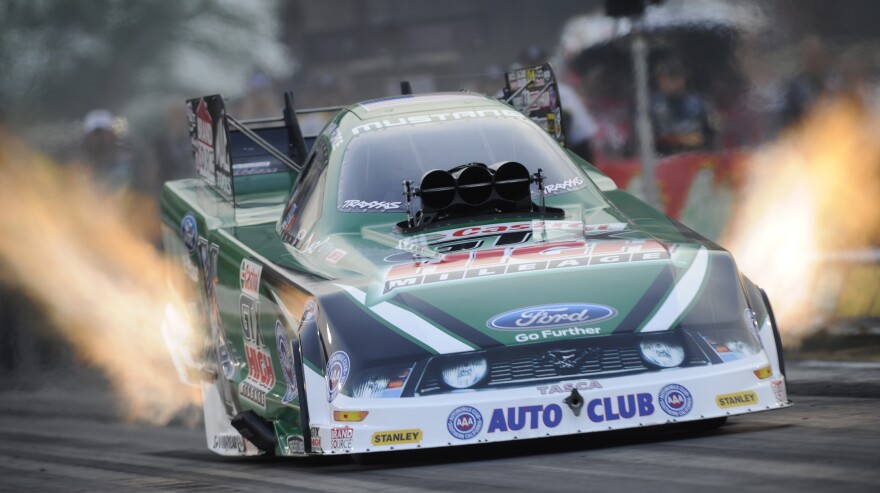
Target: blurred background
{"points": [[764, 119]]}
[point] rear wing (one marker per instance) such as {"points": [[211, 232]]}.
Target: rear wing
{"points": [[533, 92], [237, 157]]}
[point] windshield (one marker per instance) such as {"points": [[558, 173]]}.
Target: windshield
{"points": [[376, 162]]}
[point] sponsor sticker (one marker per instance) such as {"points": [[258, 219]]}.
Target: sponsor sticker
{"points": [[736, 399], [568, 387], [340, 438], [338, 368], [251, 392], [464, 422], [396, 437], [373, 205], [189, 231], [203, 140], [675, 400], [285, 357], [289, 216], [260, 366], [249, 274], [557, 229], [296, 445], [779, 391], [315, 433], [620, 407], [310, 310], [228, 443], [261, 375], [551, 316], [507, 260], [335, 256], [517, 418], [558, 333], [565, 186]]}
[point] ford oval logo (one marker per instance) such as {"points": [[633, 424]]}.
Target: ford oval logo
{"points": [[548, 316]]}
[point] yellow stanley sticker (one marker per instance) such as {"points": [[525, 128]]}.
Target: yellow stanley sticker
{"points": [[736, 399], [396, 437]]}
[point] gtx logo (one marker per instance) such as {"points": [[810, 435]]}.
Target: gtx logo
{"points": [[547, 316]]}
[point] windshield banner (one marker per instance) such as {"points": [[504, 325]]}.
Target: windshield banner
{"points": [[534, 93]]}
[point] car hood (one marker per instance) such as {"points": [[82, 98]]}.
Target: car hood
{"points": [[479, 286]]}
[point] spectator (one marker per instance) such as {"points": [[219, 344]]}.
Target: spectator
{"points": [[808, 86], [853, 84], [261, 100], [682, 121], [104, 151], [578, 124], [172, 150]]}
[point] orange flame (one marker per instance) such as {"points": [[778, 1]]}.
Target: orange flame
{"points": [[68, 243], [813, 192]]}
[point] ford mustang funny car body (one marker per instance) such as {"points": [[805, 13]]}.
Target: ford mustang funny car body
{"points": [[436, 270]]}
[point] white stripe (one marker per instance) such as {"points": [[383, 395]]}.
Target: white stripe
{"points": [[682, 294], [411, 323]]}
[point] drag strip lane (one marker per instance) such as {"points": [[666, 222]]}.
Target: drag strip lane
{"points": [[823, 443]]}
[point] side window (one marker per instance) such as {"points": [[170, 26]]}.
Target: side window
{"points": [[304, 207]]}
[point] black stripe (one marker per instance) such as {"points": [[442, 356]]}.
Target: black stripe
{"points": [[652, 297], [367, 341], [445, 320]]}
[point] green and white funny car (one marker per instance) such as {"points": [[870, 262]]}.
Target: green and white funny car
{"points": [[438, 270]]}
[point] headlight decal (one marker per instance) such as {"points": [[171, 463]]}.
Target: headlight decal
{"points": [[465, 373]]}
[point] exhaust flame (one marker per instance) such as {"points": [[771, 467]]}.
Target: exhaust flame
{"points": [[69, 244], [812, 193]]}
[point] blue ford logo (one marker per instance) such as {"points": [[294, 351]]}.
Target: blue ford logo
{"points": [[189, 230], [548, 316]]}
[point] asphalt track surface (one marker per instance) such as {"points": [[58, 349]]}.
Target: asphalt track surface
{"points": [[65, 439]]}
